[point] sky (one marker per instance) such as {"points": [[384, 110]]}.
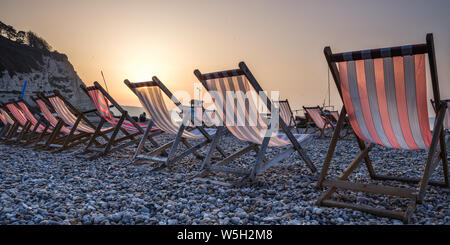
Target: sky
{"points": [[281, 41]]}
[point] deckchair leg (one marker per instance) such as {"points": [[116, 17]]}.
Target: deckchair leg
{"points": [[69, 137], [32, 133], [208, 137], [353, 165], [367, 160], [307, 127], [4, 130], [114, 134], [55, 134], [23, 133], [42, 136], [175, 144], [259, 158], [207, 161], [95, 135], [142, 142], [12, 131], [430, 163], [332, 147], [188, 145]]}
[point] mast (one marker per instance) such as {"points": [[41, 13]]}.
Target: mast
{"points": [[106, 85], [329, 94]]}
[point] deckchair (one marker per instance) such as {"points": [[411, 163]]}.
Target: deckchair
{"points": [[74, 119], [152, 100], [39, 126], [333, 116], [249, 126], [22, 122], [13, 126], [8, 123], [60, 130], [384, 95], [125, 124], [315, 115], [286, 113]]}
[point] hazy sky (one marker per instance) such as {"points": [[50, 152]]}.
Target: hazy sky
{"points": [[281, 41]]}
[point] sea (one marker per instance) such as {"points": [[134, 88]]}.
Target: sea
{"points": [[133, 111]]}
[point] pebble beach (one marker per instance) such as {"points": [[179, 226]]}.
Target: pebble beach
{"points": [[38, 187]]}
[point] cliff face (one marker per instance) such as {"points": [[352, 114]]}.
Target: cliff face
{"points": [[45, 71]]}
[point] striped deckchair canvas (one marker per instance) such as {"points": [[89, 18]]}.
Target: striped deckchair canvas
{"points": [[384, 94], [60, 130], [39, 127], [126, 124], [10, 127], [22, 122], [75, 120], [315, 115], [152, 100], [48, 115], [286, 113], [245, 121]]}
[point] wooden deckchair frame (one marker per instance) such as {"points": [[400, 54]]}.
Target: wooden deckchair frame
{"points": [[4, 129], [15, 137], [11, 130], [433, 157], [171, 157], [72, 139], [292, 115], [309, 120], [348, 128], [33, 136], [113, 142], [261, 164], [57, 138]]}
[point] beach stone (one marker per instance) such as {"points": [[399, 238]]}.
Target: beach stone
{"points": [[63, 189]]}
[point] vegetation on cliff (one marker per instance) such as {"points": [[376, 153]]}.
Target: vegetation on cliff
{"points": [[22, 52]]}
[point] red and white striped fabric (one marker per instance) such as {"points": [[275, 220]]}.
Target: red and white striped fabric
{"points": [[152, 100], [49, 116], [285, 113], [30, 117], [386, 100], [316, 116], [243, 120], [7, 118], [17, 114], [102, 106], [68, 117]]}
